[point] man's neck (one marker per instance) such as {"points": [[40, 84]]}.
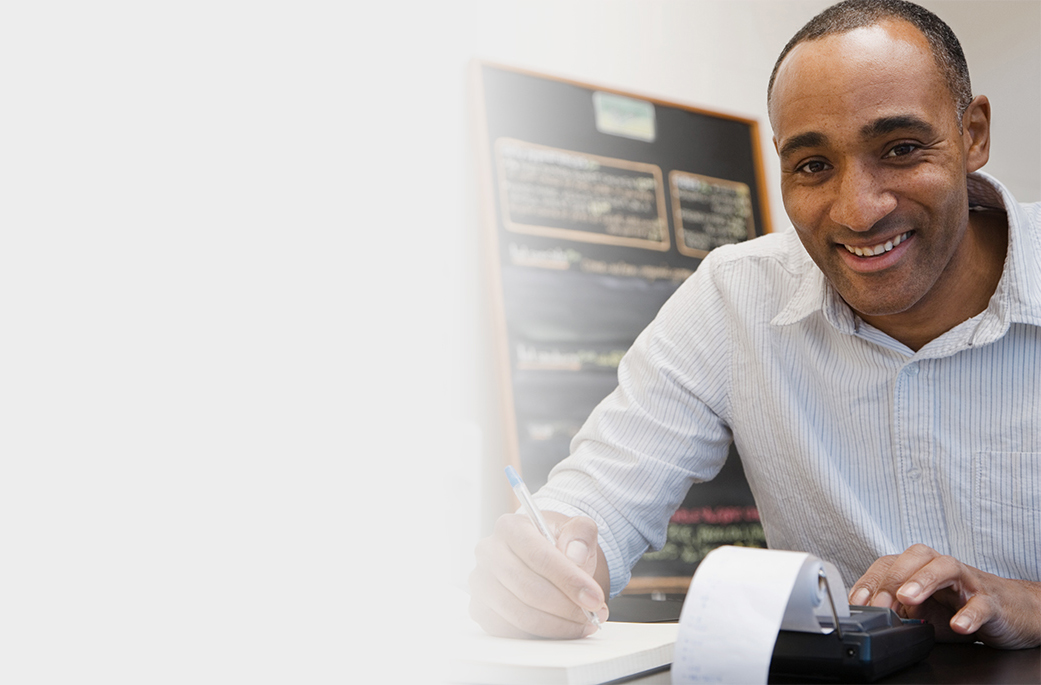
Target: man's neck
{"points": [[987, 234]]}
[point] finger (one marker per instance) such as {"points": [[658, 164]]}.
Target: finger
{"points": [[554, 583], [505, 580], [941, 572], [547, 563], [494, 624], [577, 539], [539, 574], [977, 611], [867, 585], [524, 580], [890, 577], [501, 613]]}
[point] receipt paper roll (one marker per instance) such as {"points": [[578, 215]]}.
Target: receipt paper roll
{"points": [[738, 600]]}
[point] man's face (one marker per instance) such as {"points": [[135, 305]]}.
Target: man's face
{"points": [[873, 167]]}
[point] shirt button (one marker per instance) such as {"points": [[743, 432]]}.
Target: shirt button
{"points": [[911, 369], [914, 474]]}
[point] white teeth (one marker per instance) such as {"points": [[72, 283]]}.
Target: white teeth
{"points": [[877, 249]]}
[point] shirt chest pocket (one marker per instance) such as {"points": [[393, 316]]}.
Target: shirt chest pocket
{"points": [[1006, 491]]}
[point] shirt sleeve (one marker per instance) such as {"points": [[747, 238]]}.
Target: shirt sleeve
{"points": [[663, 428]]}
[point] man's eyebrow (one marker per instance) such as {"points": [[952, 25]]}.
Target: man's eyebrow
{"points": [[879, 127], [904, 122], [809, 139]]}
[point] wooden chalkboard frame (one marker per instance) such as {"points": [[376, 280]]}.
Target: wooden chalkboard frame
{"points": [[498, 222]]}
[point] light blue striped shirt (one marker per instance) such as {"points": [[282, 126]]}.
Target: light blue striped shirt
{"points": [[854, 445]]}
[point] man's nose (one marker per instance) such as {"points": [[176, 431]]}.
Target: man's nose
{"points": [[862, 199]]}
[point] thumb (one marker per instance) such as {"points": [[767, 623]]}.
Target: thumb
{"points": [[577, 540]]}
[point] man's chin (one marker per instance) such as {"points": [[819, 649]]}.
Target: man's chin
{"points": [[873, 307]]}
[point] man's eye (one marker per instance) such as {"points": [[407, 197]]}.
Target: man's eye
{"points": [[901, 150], [813, 167]]}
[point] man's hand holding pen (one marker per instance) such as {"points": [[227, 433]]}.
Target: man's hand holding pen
{"points": [[523, 586]]}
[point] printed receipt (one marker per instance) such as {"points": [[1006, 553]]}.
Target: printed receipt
{"points": [[739, 598]]}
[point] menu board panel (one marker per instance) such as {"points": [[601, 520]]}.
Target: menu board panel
{"points": [[599, 204]]}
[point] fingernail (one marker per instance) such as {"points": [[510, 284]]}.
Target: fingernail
{"points": [[860, 596], [588, 600], [961, 621], [577, 551], [883, 599], [910, 591]]}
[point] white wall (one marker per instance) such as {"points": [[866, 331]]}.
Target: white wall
{"points": [[1002, 43]]}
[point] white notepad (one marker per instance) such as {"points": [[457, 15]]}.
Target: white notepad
{"points": [[617, 650]]}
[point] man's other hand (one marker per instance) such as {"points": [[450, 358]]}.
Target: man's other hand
{"points": [[522, 586], [962, 602]]}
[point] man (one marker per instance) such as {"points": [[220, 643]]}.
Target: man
{"points": [[878, 368]]}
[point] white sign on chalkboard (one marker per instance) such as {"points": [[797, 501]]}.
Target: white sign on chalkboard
{"points": [[623, 116]]}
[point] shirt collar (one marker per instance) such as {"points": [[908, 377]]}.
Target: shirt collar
{"points": [[815, 294], [1016, 299]]}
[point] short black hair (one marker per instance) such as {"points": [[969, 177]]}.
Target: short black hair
{"points": [[853, 14]]}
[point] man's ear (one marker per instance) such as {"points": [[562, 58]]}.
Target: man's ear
{"points": [[976, 133]]}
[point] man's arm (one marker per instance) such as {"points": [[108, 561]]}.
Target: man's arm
{"points": [[962, 602], [524, 587]]}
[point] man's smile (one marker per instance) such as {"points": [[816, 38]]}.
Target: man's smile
{"points": [[874, 250], [878, 257]]}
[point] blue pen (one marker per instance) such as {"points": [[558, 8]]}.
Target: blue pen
{"points": [[521, 490]]}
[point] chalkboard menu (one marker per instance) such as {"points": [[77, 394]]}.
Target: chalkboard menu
{"points": [[599, 204]]}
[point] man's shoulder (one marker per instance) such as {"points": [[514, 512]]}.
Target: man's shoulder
{"points": [[755, 279], [773, 255]]}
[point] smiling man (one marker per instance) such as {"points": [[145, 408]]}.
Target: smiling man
{"points": [[874, 150], [879, 367]]}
